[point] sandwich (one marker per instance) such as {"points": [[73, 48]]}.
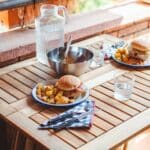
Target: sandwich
{"points": [[71, 86], [140, 49]]}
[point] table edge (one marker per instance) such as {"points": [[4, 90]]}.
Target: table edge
{"points": [[119, 134]]}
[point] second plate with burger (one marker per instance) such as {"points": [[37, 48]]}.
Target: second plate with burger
{"points": [[135, 56], [64, 92]]}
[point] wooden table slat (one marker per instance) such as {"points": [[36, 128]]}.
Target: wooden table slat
{"points": [[103, 142], [141, 100], [111, 110], [18, 85], [94, 73], [137, 98], [30, 127], [111, 116], [142, 87], [40, 118], [130, 103], [142, 75], [140, 93], [146, 72], [39, 73], [22, 79], [139, 85], [95, 130], [75, 142], [11, 90], [70, 138], [114, 102], [45, 68], [22, 104], [29, 75], [108, 117], [103, 78], [142, 81], [35, 108], [102, 124], [18, 65], [82, 134], [7, 97], [50, 114], [5, 109]]}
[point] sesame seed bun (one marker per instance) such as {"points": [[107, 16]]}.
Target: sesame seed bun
{"points": [[140, 49], [68, 83], [140, 45]]}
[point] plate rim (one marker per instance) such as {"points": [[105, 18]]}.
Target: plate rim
{"points": [[36, 99]]}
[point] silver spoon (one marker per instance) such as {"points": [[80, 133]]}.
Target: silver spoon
{"points": [[68, 46]]}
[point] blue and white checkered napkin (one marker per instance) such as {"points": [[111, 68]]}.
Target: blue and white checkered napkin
{"points": [[85, 107], [108, 51], [86, 121]]}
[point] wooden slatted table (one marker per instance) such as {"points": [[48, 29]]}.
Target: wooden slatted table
{"points": [[113, 122]]}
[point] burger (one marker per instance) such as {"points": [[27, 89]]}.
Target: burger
{"points": [[71, 86], [140, 49]]}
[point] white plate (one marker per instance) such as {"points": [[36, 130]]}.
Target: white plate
{"points": [[145, 65], [77, 101]]}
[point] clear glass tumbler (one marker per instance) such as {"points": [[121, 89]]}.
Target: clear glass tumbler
{"points": [[98, 59], [124, 86]]}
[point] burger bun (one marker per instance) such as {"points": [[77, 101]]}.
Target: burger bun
{"points": [[68, 83], [140, 49]]}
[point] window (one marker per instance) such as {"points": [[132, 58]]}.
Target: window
{"points": [[10, 18], [80, 6]]}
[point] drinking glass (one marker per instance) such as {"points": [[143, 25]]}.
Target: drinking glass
{"points": [[98, 59], [123, 86]]}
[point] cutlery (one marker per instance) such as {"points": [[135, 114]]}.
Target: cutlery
{"points": [[66, 123], [69, 40], [62, 117], [57, 119]]}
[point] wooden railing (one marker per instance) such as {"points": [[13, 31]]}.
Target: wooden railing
{"points": [[9, 10]]}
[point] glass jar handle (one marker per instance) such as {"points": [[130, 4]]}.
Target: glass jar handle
{"points": [[65, 13]]}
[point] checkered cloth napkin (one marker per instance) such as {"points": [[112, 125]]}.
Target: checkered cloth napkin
{"points": [[87, 108], [108, 51]]}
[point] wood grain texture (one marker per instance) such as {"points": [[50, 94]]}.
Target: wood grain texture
{"points": [[30, 128], [22, 79], [102, 142], [114, 102], [29, 75], [5, 109], [109, 109], [18, 85], [111, 116], [7, 97], [18, 65], [11, 90], [130, 103]]}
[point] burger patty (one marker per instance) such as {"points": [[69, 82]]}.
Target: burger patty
{"points": [[74, 93]]}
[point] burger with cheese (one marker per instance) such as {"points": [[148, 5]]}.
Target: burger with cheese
{"points": [[140, 49], [70, 85]]}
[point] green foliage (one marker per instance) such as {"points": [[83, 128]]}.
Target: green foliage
{"points": [[86, 5]]}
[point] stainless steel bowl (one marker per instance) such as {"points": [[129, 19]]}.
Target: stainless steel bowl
{"points": [[80, 60]]}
